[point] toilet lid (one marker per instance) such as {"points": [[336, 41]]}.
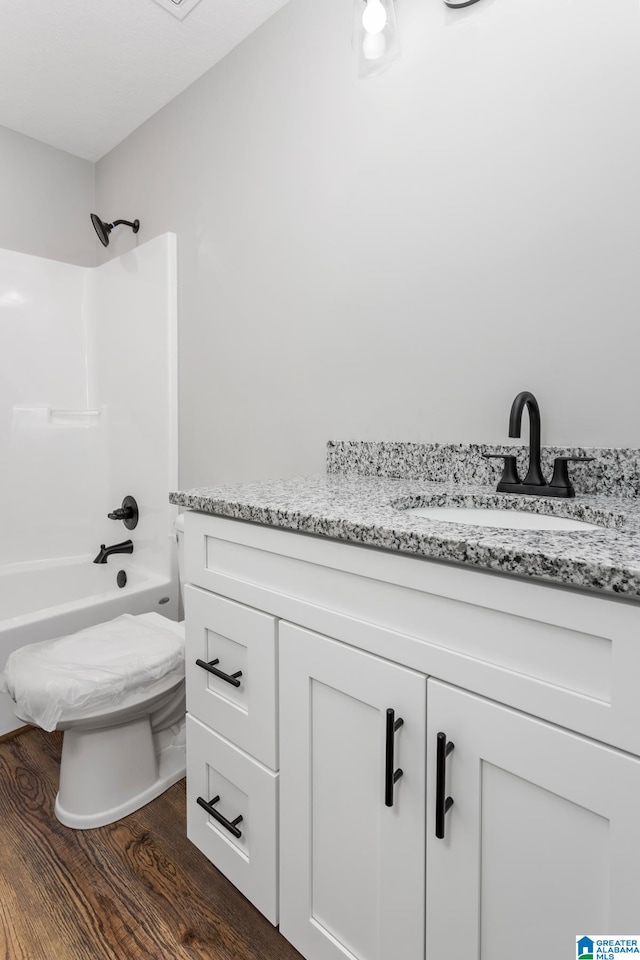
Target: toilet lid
{"points": [[96, 667]]}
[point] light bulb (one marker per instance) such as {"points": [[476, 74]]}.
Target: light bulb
{"points": [[374, 18]]}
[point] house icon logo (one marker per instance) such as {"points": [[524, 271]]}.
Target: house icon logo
{"points": [[584, 948]]}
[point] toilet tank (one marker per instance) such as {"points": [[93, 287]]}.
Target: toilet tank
{"points": [[178, 526]]}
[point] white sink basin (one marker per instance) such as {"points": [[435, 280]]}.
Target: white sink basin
{"points": [[504, 519]]}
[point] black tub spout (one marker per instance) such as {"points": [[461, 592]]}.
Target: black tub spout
{"points": [[105, 552]]}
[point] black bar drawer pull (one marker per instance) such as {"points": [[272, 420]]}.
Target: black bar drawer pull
{"points": [[444, 748], [391, 776], [231, 678], [230, 825]]}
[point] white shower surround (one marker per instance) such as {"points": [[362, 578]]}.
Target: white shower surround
{"points": [[88, 414]]}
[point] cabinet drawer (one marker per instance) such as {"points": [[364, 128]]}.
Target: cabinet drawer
{"points": [[243, 641], [245, 789]]}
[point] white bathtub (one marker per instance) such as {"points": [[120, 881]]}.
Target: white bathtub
{"points": [[46, 599]]}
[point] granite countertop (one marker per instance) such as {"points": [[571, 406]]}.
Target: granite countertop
{"points": [[346, 504]]}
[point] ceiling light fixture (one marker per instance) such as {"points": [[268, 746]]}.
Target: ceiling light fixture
{"points": [[375, 33], [375, 36]]}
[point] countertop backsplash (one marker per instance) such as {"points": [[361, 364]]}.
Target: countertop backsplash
{"points": [[613, 472]]}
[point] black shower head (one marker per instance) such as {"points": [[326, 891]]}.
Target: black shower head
{"points": [[104, 229]]}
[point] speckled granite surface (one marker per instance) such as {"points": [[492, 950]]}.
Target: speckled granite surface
{"points": [[372, 511], [613, 472]]}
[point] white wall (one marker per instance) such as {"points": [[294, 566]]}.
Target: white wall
{"points": [[397, 258], [45, 201], [87, 404]]}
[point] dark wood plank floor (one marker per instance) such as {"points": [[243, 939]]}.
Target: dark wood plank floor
{"points": [[135, 889]]}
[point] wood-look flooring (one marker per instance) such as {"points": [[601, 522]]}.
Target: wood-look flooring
{"points": [[132, 890]]}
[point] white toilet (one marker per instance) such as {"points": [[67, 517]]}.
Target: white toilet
{"points": [[117, 690]]}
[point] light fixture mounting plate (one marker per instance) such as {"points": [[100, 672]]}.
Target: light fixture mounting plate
{"points": [[179, 8]]}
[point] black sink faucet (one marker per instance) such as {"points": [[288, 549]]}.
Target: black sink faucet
{"points": [[105, 552], [534, 483], [526, 399]]}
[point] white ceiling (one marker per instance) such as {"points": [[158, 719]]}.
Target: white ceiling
{"points": [[82, 74]]}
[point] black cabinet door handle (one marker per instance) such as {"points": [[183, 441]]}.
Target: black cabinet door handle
{"points": [[210, 667], [230, 825], [443, 804], [391, 776]]}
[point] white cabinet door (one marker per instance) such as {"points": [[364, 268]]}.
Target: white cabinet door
{"points": [[352, 867], [544, 822]]}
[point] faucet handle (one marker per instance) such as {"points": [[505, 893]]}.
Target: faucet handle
{"points": [[510, 469], [560, 478], [128, 513], [121, 513]]}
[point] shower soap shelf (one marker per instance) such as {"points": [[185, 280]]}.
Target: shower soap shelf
{"points": [[59, 417]]}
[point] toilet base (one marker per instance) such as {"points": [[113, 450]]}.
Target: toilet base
{"points": [[109, 773]]}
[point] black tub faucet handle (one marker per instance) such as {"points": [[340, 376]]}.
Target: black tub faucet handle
{"points": [[128, 513]]}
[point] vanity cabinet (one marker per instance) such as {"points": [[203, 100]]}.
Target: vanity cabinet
{"points": [[535, 687]]}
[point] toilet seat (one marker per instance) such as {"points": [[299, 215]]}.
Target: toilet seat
{"points": [[101, 671]]}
